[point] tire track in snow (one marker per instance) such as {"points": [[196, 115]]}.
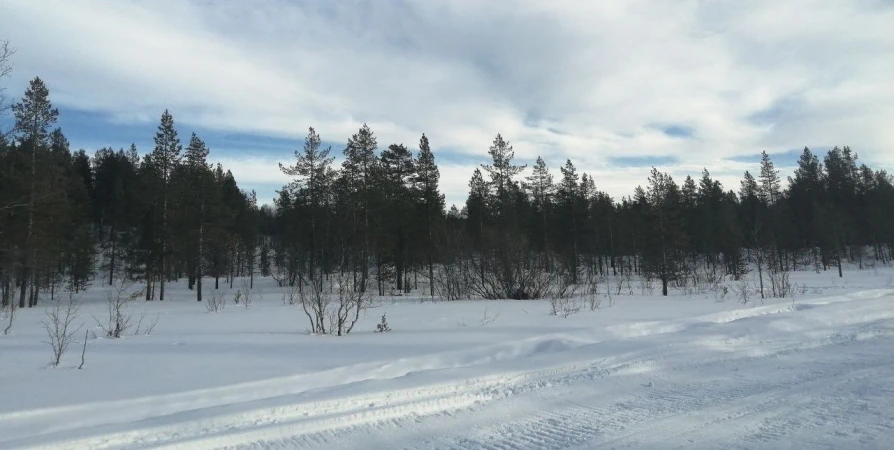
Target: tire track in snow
{"points": [[626, 423], [299, 422]]}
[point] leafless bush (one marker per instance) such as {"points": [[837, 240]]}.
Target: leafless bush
{"points": [[507, 271], [565, 306], [593, 300], [149, 329], [487, 319], [451, 282], [246, 293], [216, 302], [646, 287], [608, 295], [352, 301], [720, 292], [334, 313], [291, 295], [10, 316], [315, 304], [84, 350], [591, 295], [6, 53], [59, 325], [563, 297], [743, 291], [780, 282], [118, 299]]}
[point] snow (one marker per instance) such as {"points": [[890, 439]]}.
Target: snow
{"points": [[649, 372]]}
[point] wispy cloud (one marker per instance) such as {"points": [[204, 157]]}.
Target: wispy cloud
{"points": [[562, 79]]}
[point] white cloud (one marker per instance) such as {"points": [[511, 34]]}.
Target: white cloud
{"points": [[583, 80]]}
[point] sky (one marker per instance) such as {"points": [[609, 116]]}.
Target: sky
{"points": [[615, 86]]}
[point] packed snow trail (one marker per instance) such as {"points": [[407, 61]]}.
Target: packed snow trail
{"points": [[816, 374]]}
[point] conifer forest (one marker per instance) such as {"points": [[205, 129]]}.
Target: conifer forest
{"points": [[71, 218]]}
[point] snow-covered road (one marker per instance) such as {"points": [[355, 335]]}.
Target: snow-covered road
{"points": [[816, 374]]}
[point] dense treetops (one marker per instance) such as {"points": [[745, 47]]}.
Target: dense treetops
{"points": [[68, 219]]}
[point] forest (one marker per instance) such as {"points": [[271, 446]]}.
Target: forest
{"points": [[377, 222]]}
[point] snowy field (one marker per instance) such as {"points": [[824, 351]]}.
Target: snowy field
{"points": [[687, 371]]}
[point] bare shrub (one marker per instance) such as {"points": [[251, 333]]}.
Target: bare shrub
{"points": [[291, 295], [563, 297], [352, 301], [609, 296], [593, 300], [591, 295], [59, 326], [118, 299], [10, 316], [619, 285], [246, 293], [646, 287], [451, 281], [780, 283], [149, 329], [720, 292], [84, 349], [507, 271], [315, 304], [216, 302], [742, 290], [487, 319], [334, 313], [565, 306]]}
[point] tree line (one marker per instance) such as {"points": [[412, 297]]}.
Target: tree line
{"points": [[68, 219], [378, 219]]}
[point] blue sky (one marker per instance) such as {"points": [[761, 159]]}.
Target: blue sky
{"points": [[616, 86]]}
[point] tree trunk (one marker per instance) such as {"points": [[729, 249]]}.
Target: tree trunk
{"points": [[112, 260]]}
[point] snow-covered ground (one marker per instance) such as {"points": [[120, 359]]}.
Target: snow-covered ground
{"points": [[648, 372]]}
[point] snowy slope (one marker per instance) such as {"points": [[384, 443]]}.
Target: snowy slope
{"points": [[649, 372]]}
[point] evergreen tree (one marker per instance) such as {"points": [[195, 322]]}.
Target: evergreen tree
{"points": [[662, 254], [426, 181], [501, 171], [34, 115], [165, 158], [197, 188], [358, 174], [313, 169], [541, 189]]}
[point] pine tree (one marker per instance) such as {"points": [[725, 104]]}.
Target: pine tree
{"points": [[569, 198], [358, 176], [313, 167], [34, 115], [501, 171], [541, 189], [663, 250], [197, 183], [432, 201], [398, 169], [165, 157]]}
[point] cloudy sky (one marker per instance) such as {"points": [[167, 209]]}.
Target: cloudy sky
{"points": [[616, 86]]}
